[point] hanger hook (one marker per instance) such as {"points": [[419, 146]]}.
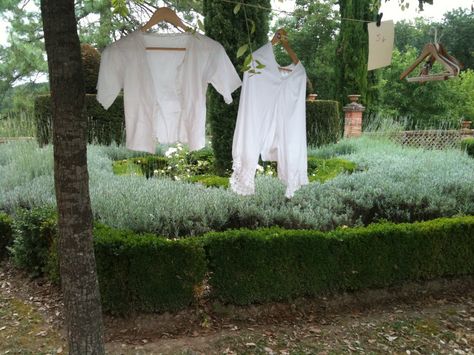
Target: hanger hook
{"points": [[435, 34]]}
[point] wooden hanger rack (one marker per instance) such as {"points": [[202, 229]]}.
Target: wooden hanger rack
{"points": [[167, 15], [282, 37], [433, 52]]}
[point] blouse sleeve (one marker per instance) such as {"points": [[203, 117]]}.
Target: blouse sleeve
{"points": [[110, 80], [222, 74]]}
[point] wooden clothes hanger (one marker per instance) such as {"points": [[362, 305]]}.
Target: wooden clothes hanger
{"points": [[434, 52], [168, 15], [450, 59], [281, 37]]}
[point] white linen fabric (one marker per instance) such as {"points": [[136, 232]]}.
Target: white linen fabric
{"points": [[164, 90], [271, 123]]}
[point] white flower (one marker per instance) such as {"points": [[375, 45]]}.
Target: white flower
{"points": [[260, 168], [170, 151]]}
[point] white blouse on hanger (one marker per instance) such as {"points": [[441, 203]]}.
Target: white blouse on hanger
{"points": [[272, 123], [164, 90]]}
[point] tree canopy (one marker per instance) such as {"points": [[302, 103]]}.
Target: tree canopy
{"points": [[312, 30], [100, 22]]}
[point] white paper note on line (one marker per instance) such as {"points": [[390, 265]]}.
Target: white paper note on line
{"points": [[380, 44]]}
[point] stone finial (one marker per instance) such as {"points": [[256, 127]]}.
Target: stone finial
{"points": [[354, 105], [312, 97]]}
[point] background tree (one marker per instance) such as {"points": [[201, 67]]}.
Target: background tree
{"points": [[415, 105], [99, 23], [76, 254], [457, 35], [433, 104], [352, 50], [311, 31], [230, 30], [23, 59], [413, 34]]}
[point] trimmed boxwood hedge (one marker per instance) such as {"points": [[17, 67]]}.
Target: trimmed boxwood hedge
{"points": [[323, 122], [137, 272], [467, 144], [250, 266], [5, 233], [34, 232], [146, 272], [104, 126], [143, 272]]}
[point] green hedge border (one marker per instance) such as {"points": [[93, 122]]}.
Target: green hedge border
{"points": [[6, 234], [250, 266], [104, 126], [143, 272], [467, 144], [323, 122]]}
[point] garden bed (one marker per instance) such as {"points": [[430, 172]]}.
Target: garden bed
{"points": [[390, 183], [160, 242]]}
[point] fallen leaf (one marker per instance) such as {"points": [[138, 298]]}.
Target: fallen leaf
{"points": [[315, 330], [60, 350]]}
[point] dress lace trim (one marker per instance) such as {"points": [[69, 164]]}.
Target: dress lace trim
{"points": [[242, 180]]}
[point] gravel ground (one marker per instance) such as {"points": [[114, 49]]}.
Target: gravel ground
{"points": [[431, 318]]}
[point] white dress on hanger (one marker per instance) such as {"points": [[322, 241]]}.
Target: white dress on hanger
{"points": [[271, 123], [164, 91]]}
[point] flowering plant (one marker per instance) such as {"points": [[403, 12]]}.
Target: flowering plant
{"points": [[182, 164]]}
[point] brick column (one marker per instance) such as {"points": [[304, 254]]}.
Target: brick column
{"points": [[353, 117]]}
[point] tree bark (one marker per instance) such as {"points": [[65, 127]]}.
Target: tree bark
{"points": [[76, 254]]}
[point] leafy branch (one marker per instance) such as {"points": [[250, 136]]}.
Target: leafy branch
{"points": [[249, 62]]}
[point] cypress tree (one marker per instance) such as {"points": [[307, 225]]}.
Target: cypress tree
{"points": [[230, 30], [352, 49]]}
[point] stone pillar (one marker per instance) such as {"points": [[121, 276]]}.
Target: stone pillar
{"points": [[466, 131], [353, 117]]}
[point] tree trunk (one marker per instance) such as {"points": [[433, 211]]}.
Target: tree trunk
{"points": [[76, 254]]}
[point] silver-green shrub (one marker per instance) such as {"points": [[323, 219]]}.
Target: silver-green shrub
{"points": [[392, 182]]}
